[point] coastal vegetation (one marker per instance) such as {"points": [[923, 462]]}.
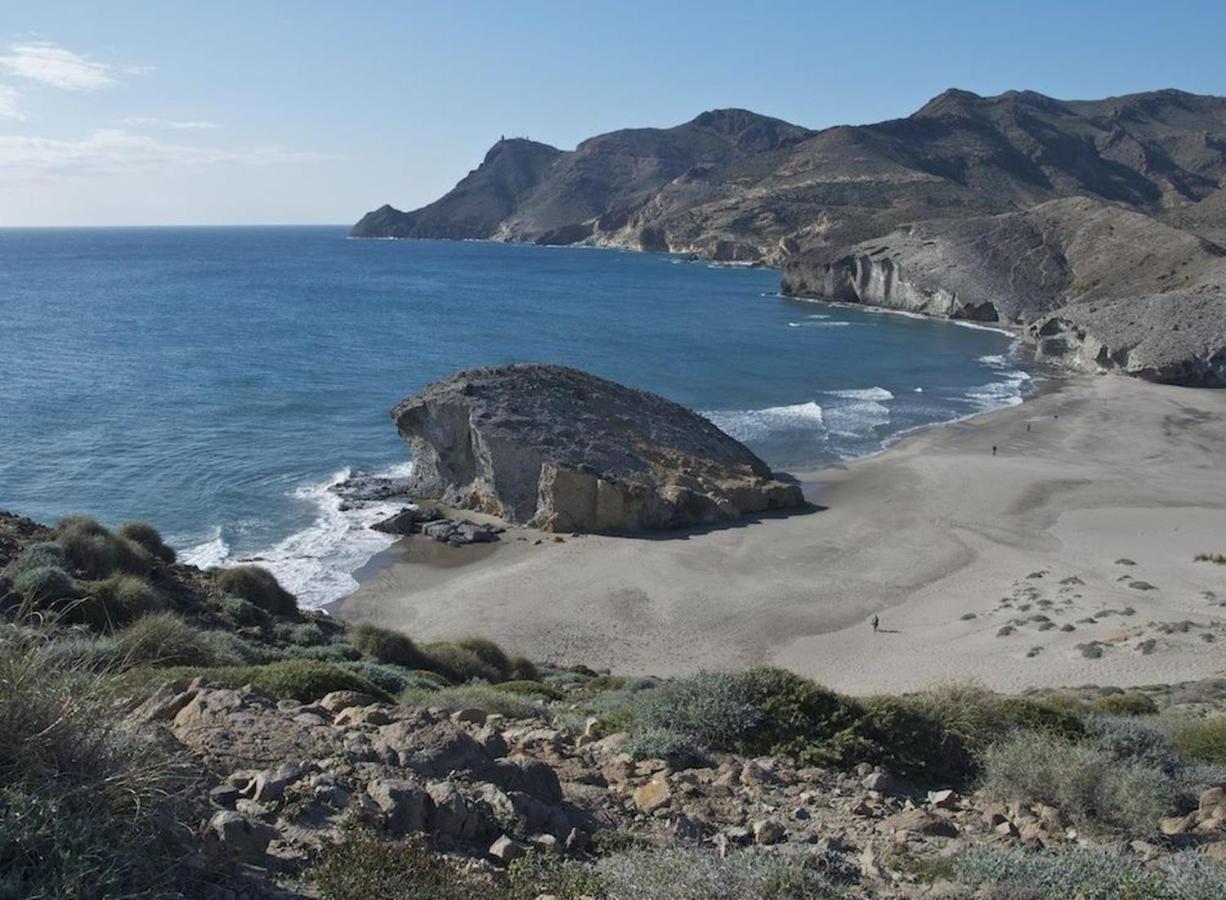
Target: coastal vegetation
{"points": [[104, 635]]}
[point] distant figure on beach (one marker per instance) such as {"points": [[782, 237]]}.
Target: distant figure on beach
{"points": [[876, 622], [1027, 426], [993, 449]]}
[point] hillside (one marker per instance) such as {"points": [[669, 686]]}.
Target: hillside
{"points": [[732, 184]]}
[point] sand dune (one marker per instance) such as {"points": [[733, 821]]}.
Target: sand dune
{"points": [[947, 543]]}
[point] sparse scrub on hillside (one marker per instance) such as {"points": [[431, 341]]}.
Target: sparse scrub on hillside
{"points": [[165, 639], [300, 634], [1086, 873], [44, 586], [95, 553], [492, 655], [45, 554], [1202, 739], [693, 874], [1088, 784], [150, 538], [116, 601], [456, 663], [387, 645], [258, 586], [531, 689], [1218, 558], [479, 696], [241, 613], [89, 809]]}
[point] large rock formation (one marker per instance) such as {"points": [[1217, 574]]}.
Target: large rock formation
{"points": [[1104, 288], [732, 184], [563, 450]]}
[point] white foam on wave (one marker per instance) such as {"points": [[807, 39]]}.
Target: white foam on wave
{"points": [[756, 424], [996, 361], [317, 563], [1010, 391], [820, 324], [963, 323], [871, 393]]}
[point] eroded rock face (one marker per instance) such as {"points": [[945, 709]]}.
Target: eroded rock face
{"points": [[563, 450]]}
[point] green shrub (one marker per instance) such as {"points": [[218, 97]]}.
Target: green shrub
{"points": [[164, 639], [1086, 873], [259, 586], [304, 680], [1129, 740], [365, 864], [95, 553], [301, 634], [531, 688], [42, 586], [36, 556], [492, 655], [335, 652], [1129, 704], [147, 536], [391, 679], [524, 669], [714, 710], [387, 646], [1202, 739], [87, 809], [693, 874], [1089, 785], [456, 663], [241, 612], [82, 654], [664, 743], [480, 696], [116, 601]]}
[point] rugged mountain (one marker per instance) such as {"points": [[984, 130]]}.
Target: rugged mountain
{"points": [[735, 185], [564, 450], [1102, 287]]}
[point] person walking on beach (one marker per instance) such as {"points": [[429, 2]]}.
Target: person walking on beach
{"points": [[876, 622], [993, 449]]}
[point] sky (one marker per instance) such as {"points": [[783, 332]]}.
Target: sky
{"points": [[277, 112]]}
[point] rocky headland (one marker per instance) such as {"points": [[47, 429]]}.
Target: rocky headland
{"points": [[1124, 275], [563, 450]]}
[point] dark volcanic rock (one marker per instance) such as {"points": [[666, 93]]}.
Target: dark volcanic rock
{"points": [[564, 450], [408, 521]]}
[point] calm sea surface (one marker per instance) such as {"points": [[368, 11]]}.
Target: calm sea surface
{"points": [[216, 380]]}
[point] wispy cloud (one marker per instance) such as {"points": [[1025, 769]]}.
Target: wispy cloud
{"points": [[115, 150], [177, 125], [51, 64], [9, 107]]}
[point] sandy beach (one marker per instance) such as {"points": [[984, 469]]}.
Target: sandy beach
{"points": [[1076, 540]]}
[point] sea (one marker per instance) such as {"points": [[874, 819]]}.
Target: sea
{"points": [[216, 381]]}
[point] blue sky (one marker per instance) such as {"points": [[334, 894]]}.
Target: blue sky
{"points": [[313, 112]]}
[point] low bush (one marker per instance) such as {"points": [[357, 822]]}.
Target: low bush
{"points": [[36, 556], [1202, 739], [304, 680], [456, 663], [480, 696], [164, 639], [1086, 873], [524, 669], [1090, 785], [150, 538], [95, 553], [365, 864], [300, 634], [492, 655], [258, 586], [86, 809], [44, 586], [664, 743], [713, 710], [1126, 704], [391, 679], [531, 689], [692, 874], [1130, 740], [242, 613], [387, 646], [116, 601], [83, 654], [334, 652]]}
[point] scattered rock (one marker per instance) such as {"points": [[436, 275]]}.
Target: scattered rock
{"points": [[653, 795], [404, 804], [240, 835]]}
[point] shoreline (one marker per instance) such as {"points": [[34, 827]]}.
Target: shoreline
{"points": [[946, 542]]}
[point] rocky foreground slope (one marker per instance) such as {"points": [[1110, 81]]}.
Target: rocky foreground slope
{"points": [[732, 184], [1101, 287], [564, 450]]}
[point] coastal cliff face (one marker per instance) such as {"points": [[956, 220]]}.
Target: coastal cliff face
{"points": [[735, 185], [1105, 289], [563, 450]]}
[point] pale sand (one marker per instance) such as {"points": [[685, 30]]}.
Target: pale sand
{"points": [[931, 530]]}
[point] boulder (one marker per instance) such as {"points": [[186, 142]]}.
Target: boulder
{"points": [[405, 804], [653, 795], [408, 520], [566, 451], [242, 836]]}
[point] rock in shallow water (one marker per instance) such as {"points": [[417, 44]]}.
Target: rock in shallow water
{"points": [[566, 451]]}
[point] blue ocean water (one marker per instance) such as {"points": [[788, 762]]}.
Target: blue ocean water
{"points": [[216, 380]]}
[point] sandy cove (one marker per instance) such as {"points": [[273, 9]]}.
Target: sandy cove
{"points": [[947, 543]]}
